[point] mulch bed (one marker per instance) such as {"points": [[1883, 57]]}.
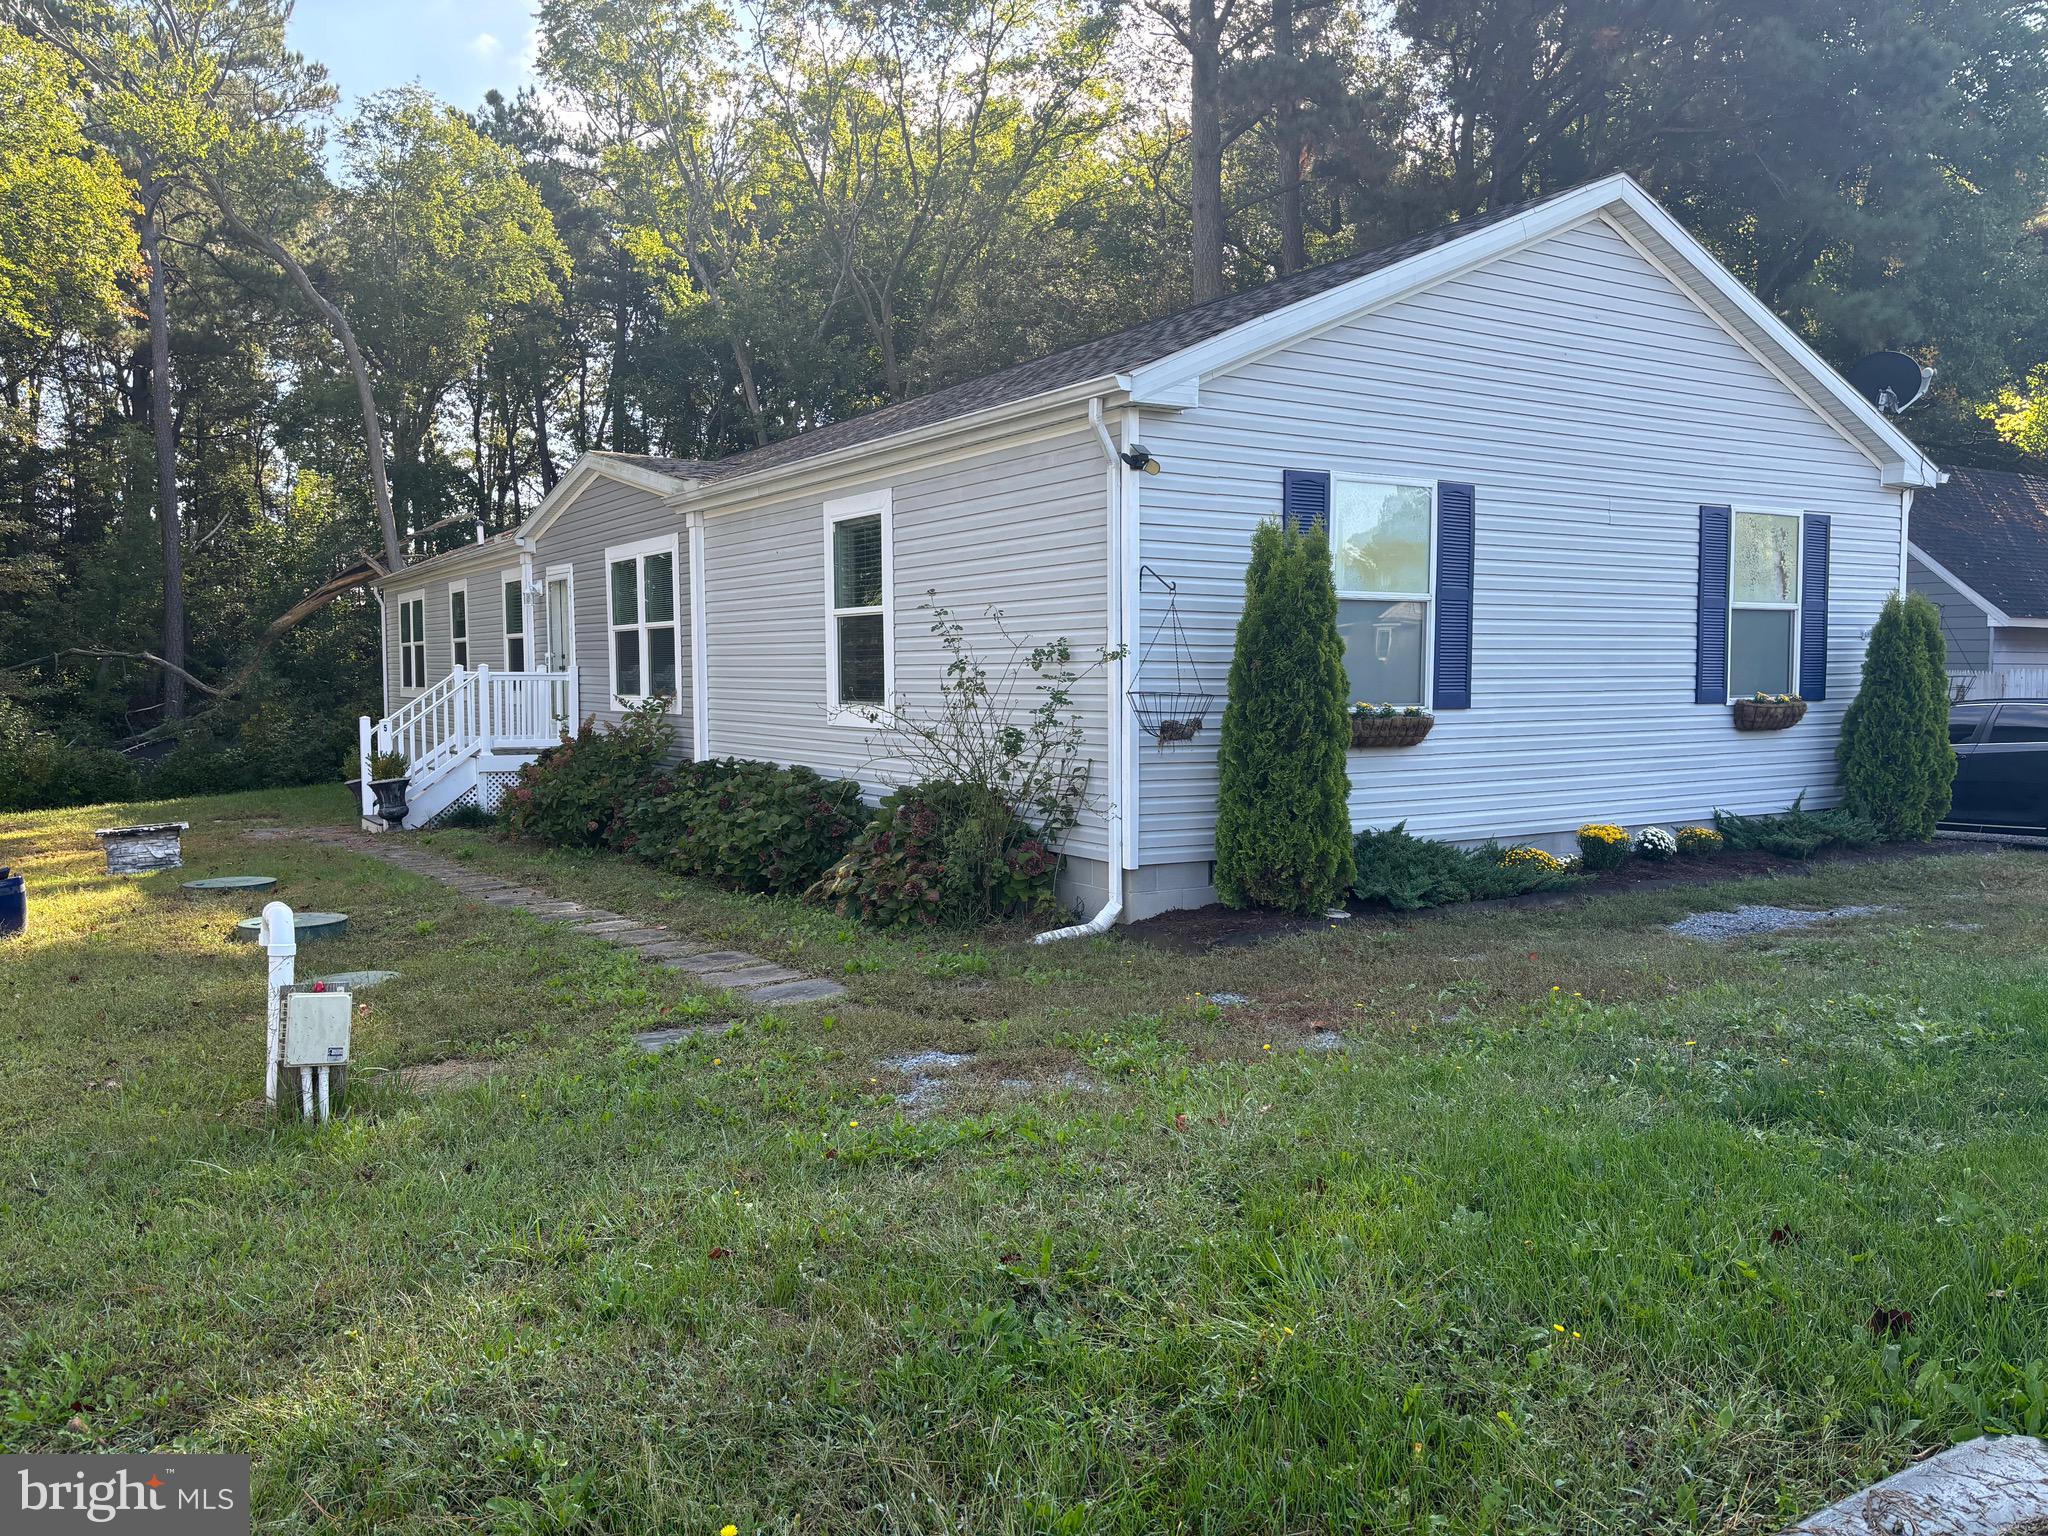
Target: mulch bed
{"points": [[1219, 927]]}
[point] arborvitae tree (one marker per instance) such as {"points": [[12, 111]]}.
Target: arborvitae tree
{"points": [[1283, 830], [1897, 764]]}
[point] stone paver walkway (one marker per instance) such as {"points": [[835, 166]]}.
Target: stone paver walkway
{"points": [[732, 970]]}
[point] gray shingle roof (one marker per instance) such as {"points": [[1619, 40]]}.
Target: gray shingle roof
{"points": [[1120, 353], [1989, 529]]}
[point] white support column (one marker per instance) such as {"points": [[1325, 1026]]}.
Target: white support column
{"points": [[280, 938], [484, 724], [365, 745], [700, 655]]}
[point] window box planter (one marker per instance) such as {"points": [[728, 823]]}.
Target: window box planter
{"points": [[1768, 714], [1389, 730], [138, 850]]}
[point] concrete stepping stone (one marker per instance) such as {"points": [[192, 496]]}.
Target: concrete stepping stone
{"points": [[809, 990], [713, 960], [675, 950], [230, 885], [633, 938], [761, 975], [653, 1040], [355, 981]]}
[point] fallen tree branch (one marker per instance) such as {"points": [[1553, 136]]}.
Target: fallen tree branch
{"points": [[360, 573]]}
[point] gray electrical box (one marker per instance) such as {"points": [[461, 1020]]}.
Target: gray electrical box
{"points": [[316, 1026]]}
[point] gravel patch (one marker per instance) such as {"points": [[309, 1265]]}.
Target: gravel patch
{"points": [[1719, 927], [927, 1073]]}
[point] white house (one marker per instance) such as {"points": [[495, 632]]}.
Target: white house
{"points": [[1584, 490]]}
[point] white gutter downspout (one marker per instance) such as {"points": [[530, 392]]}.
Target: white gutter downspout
{"points": [[1113, 675]]}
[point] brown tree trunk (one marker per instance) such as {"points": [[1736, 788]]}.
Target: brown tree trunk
{"points": [[1205, 149], [366, 395], [1288, 145], [165, 431]]}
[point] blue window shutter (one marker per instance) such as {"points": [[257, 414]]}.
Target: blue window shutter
{"points": [[1711, 670], [1813, 607], [1454, 553], [1304, 498]]}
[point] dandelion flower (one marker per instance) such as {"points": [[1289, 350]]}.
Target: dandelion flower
{"points": [[728, 1530], [853, 1125]]}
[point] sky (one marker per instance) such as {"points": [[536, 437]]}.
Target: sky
{"points": [[457, 49]]}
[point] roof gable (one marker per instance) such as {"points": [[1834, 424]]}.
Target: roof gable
{"points": [[1988, 530], [1162, 361]]}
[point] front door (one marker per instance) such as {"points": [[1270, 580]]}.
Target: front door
{"points": [[560, 646], [561, 623]]}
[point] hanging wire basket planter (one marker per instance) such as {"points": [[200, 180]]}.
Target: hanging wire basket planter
{"points": [[1176, 714]]}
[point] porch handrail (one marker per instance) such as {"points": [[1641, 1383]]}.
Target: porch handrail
{"points": [[467, 713]]}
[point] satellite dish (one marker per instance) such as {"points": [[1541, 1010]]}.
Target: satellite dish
{"points": [[1891, 381]]}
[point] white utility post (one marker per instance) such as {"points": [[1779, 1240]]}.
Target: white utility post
{"points": [[279, 935]]}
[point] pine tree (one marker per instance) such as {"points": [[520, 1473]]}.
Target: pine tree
{"points": [[1283, 827], [1897, 764]]}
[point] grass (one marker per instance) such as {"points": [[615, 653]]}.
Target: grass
{"points": [[1582, 1229]]}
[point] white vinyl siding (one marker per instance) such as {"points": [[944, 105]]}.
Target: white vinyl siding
{"points": [[608, 515], [1022, 528], [1595, 409]]}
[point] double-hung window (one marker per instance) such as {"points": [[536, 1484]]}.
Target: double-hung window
{"points": [[1381, 538], [412, 643], [514, 594], [458, 623], [859, 639], [642, 597], [1763, 603]]}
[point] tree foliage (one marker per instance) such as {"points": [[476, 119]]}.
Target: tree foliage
{"points": [[1283, 823]]}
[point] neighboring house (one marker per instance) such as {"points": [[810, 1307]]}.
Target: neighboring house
{"points": [[1585, 489], [1978, 546]]}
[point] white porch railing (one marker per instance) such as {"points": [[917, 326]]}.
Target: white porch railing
{"points": [[467, 714]]}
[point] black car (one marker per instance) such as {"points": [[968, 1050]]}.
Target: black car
{"points": [[2001, 764]]}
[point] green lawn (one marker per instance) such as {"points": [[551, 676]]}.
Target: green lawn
{"points": [[1580, 1229]]}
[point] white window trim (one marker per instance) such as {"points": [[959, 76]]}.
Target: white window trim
{"points": [[461, 588], [1798, 591], [839, 510], [513, 576], [416, 595], [666, 544], [1428, 597]]}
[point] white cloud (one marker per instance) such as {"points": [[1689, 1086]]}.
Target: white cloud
{"points": [[485, 46]]}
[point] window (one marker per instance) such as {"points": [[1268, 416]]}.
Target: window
{"points": [[641, 594], [1763, 603], [1963, 721], [458, 623], [515, 624], [1381, 538], [859, 644], [412, 643], [2020, 722]]}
